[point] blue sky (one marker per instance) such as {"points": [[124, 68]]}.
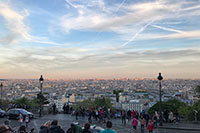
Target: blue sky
{"points": [[72, 39]]}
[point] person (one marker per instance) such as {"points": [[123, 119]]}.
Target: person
{"points": [[176, 116], [20, 119], [165, 115], [108, 128], [27, 120], [71, 129], [96, 114], [142, 123], [134, 123], [90, 116], [54, 108], [171, 117], [129, 115], [123, 114], [7, 123], [45, 128], [76, 114], [150, 126], [55, 128], [134, 113], [22, 129], [86, 128], [4, 129], [147, 118]]}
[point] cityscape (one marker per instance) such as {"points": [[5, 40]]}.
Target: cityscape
{"points": [[139, 91], [99, 66]]}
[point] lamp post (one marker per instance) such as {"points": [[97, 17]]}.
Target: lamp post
{"points": [[1, 94], [40, 95], [161, 117]]}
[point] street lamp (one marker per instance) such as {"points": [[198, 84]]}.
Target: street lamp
{"points": [[161, 117], [40, 95], [1, 85]]}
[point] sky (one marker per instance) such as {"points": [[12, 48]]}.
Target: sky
{"points": [[77, 39]]}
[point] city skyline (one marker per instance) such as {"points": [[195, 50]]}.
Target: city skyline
{"points": [[74, 39]]}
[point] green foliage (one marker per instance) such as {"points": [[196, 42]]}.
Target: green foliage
{"points": [[198, 91], [116, 92], [4, 104], [32, 104], [41, 99], [170, 105], [185, 111], [99, 102], [196, 106], [22, 100]]}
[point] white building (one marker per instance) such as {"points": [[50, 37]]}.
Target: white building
{"points": [[133, 105]]}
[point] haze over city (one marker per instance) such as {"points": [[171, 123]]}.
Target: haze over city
{"points": [[72, 39]]}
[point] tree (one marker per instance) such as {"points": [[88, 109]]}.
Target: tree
{"points": [[198, 91], [186, 113], [170, 105], [41, 99], [103, 102], [99, 102], [22, 100], [116, 92], [196, 107]]}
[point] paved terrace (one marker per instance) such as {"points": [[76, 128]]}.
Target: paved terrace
{"points": [[65, 120]]}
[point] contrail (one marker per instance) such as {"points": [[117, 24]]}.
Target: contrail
{"points": [[120, 5], [167, 29], [133, 38], [72, 5]]}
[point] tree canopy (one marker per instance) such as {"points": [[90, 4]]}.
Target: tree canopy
{"points": [[98, 102]]}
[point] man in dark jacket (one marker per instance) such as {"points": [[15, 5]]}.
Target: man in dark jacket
{"points": [[55, 128], [44, 129]]}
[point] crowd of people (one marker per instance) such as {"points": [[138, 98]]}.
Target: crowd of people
{"points": [[99, 115], [54, 127]]}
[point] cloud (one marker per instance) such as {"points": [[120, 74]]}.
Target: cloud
{"points": [[131, 19], [14, 23], [186, 34], [133, 14]]}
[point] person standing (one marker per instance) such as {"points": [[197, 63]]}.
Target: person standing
{"points": [[147, 118], [150, 126], [90, 116], [134, 123], [142, 123], [76, 114], [129, 115], [123, 114], [171, 117], [54, 108], [176, 116], [27, 120], [20, 119]]}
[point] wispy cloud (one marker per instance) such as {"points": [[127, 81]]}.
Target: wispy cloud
{"points": [[99, 35], [15, 23], [186, 34]]}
